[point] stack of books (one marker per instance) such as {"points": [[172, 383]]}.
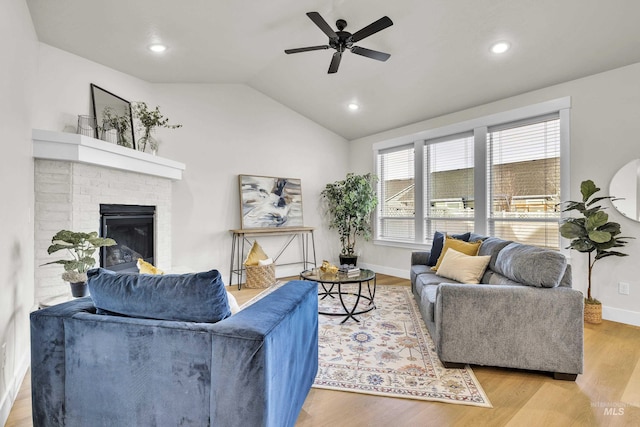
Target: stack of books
{"points": [[349, 270]]}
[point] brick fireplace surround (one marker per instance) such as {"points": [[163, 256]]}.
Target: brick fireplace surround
{"points": [[74, 174]]}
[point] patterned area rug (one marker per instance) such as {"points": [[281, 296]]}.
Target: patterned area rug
{"points": [[389, 353]]}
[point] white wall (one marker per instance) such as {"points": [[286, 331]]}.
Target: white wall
{"points": [[63, 88], [230, 130], [227, 130], [605, 124], [17, 82]]}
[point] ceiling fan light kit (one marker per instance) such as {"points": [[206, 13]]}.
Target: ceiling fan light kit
{"points": [[343, 40]]}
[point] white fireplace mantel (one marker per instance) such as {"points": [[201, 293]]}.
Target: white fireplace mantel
{"points": [[72, 147]]}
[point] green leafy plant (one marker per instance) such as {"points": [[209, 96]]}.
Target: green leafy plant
{"points": [[149, 120], [121, 123], [593, 232], [81, 246], [349, 204]]}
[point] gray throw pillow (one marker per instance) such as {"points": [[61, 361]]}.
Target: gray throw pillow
{"points": [[531, 265], [193, 297]]}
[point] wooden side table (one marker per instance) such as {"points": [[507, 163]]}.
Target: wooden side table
{"points": [[240, 236]]}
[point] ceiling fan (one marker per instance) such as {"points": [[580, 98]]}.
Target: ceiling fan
{"points": [[341, 40]]}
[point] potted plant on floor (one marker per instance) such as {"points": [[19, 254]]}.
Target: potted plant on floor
{"points": [[593, 232], [349, 204], [81, 246]]}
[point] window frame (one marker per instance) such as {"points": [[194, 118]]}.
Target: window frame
{"points": [[480, 128]]}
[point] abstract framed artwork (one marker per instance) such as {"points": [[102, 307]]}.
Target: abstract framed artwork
{"points": [[270, 202]]}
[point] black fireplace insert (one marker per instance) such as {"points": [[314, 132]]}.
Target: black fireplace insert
{"points": [[132, 227]]}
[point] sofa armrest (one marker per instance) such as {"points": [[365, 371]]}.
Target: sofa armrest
{"points": [[420, 257], [267, 345], [510, 326], [48, 360]]}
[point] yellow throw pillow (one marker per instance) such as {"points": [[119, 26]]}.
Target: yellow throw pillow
{"points": [[255, 254], [146, 268], [463, 268], [467, 248]]}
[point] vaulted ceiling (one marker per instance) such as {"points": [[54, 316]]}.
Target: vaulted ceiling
{"points": [[440, 60]]}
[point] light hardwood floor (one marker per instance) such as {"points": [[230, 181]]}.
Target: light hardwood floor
{"points": [[607, 394]]}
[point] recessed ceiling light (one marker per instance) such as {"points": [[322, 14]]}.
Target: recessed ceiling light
{"points": [[500, 47], [353, 106], [157, 48]]}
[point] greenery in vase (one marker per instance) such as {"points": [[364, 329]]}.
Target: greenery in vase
{"points": [[81, 246], [593, 232], [111, 120], [149, 120], [349, 204]]}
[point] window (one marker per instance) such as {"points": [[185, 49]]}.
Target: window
{"points": [[448, 184], [524, 181], [396, 208], [500, 175]]}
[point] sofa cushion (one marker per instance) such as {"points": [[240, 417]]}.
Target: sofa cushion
{"points": [[492, 246], [531, 265], [467, 248], [417, 270], [428, 301], [438, 243], [463, 268], [192, 297]]}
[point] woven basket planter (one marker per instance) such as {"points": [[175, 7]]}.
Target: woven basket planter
{"points": [[593, 313], [260, 276]]}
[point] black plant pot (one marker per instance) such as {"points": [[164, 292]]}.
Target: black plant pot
{"points": [[79, 289], [348, 259]]}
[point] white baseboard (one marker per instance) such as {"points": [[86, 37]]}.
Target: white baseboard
{"points": [[12, 390], [403, 273], [621, 316]]}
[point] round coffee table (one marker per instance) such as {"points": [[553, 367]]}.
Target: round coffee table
{"points": [[329, 281]]}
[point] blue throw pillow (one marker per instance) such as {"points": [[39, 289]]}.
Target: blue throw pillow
{"points": [[193, 297], [438, 243]]}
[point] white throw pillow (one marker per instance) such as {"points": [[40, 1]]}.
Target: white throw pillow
{"points": [[267, 261], [463, 268], [233, 303]]}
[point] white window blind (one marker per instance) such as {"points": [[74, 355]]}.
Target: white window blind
{"points": [[448, 184], [396, 204], [524, 181]]}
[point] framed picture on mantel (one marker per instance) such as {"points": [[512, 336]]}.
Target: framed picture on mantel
{"points": [[270, 202]]}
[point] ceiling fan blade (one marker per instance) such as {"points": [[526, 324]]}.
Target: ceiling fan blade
{"points": [[322, 24], [306, 49], [373, 54], [372, 28], [335, 63]]}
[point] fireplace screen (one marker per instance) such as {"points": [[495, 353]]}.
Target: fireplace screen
{"points": [[131, 226]]}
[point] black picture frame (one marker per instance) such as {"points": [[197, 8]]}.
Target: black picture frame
{"points": [[101, 99]]}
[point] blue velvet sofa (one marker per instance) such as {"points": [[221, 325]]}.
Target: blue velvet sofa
{"points": [[523, 314], [93, 366]]}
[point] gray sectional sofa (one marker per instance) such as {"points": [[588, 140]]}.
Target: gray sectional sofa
{"points": [[523, 314]]}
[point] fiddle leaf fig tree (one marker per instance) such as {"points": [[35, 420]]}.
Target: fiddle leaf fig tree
{"points": [[349, 204], [593, 232]]}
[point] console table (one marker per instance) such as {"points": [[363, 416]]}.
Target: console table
{"points": [[240, 237]]}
